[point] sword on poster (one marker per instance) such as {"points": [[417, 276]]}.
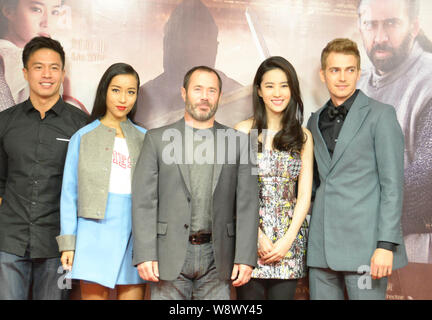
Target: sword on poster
{"points": [[256, 32]]}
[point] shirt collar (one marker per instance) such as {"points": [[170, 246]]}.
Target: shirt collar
{"points": [[347, 103], [57, 108]]}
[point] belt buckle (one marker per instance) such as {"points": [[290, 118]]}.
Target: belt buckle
{"points": [[199, 238], [194, 240]]}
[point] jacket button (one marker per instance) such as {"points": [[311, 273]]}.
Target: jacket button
{"points": [[186, 226]]}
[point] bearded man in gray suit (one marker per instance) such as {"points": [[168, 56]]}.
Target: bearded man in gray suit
{"points": [[195, 201], [359, 150]]}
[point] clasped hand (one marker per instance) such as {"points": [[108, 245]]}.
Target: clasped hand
{"points": [[270, 252]]}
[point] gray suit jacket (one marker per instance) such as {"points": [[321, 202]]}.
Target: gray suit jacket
{"points": [[162, 209], [359, 200]]}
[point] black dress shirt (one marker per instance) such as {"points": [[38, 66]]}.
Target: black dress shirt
{"points": [[32, 156], [330, 124]]}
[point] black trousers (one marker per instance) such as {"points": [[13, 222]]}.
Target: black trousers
{"points": [[267, 289]]}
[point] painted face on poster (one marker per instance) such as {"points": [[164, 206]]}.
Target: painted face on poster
{"points": [[387, 32], [30, 18]]}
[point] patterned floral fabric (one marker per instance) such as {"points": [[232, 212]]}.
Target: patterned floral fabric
{"points": [[278, 173]]}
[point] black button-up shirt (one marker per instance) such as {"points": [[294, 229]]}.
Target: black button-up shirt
{"points": [[32, 156], [330, 128]]}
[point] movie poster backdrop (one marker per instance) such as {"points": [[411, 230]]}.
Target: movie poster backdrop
{"points": [[162, 39]]}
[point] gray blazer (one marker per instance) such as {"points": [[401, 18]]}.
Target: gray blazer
{"points": [[161, 210], [95, 162], [359, 200]]}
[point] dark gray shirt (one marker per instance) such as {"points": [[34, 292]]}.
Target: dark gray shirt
{"points": [[201, 178]]}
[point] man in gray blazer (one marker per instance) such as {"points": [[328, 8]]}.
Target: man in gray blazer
{"points": [[355, 224], [195, 201]]}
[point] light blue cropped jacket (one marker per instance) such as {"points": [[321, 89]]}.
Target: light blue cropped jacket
{"points": [[87, 174]]}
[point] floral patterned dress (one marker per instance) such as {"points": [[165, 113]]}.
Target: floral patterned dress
{"points": [[278, 173]]}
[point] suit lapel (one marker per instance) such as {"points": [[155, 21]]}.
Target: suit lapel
{"points": [[354, 120], [183, 166], [217, 167], [184, 170], [321, 151]]}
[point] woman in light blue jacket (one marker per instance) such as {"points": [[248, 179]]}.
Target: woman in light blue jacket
{"points": [[95, 208]]}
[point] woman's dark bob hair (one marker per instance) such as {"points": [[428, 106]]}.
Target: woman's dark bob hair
{"points": [[99, 106], [291, 137]]}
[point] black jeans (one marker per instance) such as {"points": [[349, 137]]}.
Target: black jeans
{"points": [[267, 289]]}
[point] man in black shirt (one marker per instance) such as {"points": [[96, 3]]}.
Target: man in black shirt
{"points": [[355, 236], [34, 137]]}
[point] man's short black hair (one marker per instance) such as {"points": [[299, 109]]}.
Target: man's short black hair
{"points": [[42, 43], [201, 68]]}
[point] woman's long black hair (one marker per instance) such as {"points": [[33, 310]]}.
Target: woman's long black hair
{"points": [[291, 137], [99, 106]]}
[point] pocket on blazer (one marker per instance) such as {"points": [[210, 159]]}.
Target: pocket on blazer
{"points": [[162, 228], [231, 229]]}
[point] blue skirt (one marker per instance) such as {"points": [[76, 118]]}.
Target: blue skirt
{"points": [[103, 251]]}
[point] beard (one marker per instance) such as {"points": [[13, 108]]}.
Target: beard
{"points": [[193, 110], [397, 57]]}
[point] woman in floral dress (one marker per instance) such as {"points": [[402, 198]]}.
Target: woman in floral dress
{"points": [[285, 171]]}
